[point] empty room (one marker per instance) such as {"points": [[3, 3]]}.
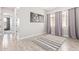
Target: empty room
{"points": [[39, 29]]}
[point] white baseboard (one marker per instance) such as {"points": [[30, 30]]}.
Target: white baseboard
{"points": [[31, 36]]}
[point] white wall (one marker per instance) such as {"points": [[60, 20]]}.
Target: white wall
{"points": [[1, 27], [27, 29]]}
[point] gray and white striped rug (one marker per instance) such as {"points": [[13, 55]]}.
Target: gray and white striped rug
{"points": [[49, 42]]}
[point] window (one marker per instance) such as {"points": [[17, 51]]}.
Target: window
{"points": [[52, 19], [65, 23]]}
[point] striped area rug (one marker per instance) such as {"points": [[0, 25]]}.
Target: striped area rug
{"points": [[49, 42]]}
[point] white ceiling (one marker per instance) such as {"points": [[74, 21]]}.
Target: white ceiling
{"points": [[48, 8], [54, 8], [45, 8]]}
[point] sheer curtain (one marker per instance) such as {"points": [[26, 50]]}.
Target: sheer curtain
{"points": [[62, 23], [65, 23], [52, 19], [59, 23]]}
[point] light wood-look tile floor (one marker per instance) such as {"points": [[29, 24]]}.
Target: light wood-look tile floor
{"points": [[28, 45], [70, 45]]}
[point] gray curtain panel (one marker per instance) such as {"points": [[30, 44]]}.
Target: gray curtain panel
{"points": [[77, 22], [58, 23], [48, 24], [72, 22]]}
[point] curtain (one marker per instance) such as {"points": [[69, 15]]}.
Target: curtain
{"points": [[48, 24], [65, 23], [77, 22], [53, 24], [58, 23], [71, 26], [72, 22]]}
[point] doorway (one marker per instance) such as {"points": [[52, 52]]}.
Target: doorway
{"points": [[9, 29]]}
